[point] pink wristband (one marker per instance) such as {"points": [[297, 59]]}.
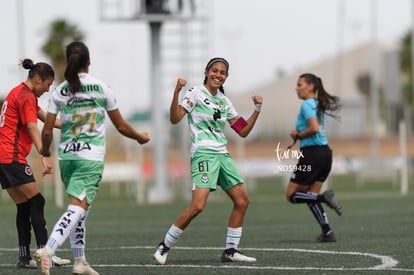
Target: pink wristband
{"points": [[239, 124]]}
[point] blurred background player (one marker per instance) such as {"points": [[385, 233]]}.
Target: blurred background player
{"points": [[208, 110], [315, 164]]}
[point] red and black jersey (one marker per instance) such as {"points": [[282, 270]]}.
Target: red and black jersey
{"points": [[19, 107]]}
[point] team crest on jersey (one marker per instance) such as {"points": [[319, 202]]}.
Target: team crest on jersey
{"points": [[204, 178], [189, 102], [221, 105], [28, 171]]}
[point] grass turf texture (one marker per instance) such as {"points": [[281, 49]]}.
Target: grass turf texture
{"points": [[122, 236]]}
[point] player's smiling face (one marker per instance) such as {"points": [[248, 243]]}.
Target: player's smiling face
{"points": [[216, 76]]}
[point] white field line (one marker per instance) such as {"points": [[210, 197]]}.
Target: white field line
{"points": [[386, 262]]}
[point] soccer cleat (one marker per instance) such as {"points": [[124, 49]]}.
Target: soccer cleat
{"points": [[329, 199], [59, 262], [43, 260], [26, 263], [233, 255], [81, 267], [327, 238], [161, 253]]}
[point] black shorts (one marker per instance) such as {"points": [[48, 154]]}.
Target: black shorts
{"points": [[315, 165], [15, 174]]}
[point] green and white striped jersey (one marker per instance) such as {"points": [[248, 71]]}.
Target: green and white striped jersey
{"points": [[82, 117], [207, 116]]}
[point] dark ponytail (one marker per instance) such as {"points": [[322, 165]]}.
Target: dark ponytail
{"points": [[44, 70], [77, 58], [327, 104], [210, 63]]}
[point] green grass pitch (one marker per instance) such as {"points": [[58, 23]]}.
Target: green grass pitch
{"points": [[375, 234]]}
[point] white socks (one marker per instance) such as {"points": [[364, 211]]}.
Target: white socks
{"points": [[78, 237], [172, 236], [65, 224], [233, 237]]}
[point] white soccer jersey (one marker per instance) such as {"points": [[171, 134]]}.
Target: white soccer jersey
{"points": [[82, 117], [207, 116]]}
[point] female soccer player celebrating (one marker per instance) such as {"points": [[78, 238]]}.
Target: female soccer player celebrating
{"points": [[208, 110]]}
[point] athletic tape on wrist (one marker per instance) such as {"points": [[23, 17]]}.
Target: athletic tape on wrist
{"points": [[258, 107]]}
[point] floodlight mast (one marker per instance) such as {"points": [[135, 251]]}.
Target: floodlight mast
{"points": [[155, 12]]}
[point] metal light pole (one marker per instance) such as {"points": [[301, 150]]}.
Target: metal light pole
{"points": [[155, 13], [20, 28], [373, 82], [340, 44], [411, 104], [161, 190]]}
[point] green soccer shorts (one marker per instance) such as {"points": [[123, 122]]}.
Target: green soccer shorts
{"points": [[211, 169], [81, 178]]}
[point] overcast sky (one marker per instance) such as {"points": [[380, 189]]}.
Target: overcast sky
{"points": [[257, 37]]}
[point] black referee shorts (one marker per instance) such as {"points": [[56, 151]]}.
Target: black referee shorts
{"points": [[314, 165]]}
